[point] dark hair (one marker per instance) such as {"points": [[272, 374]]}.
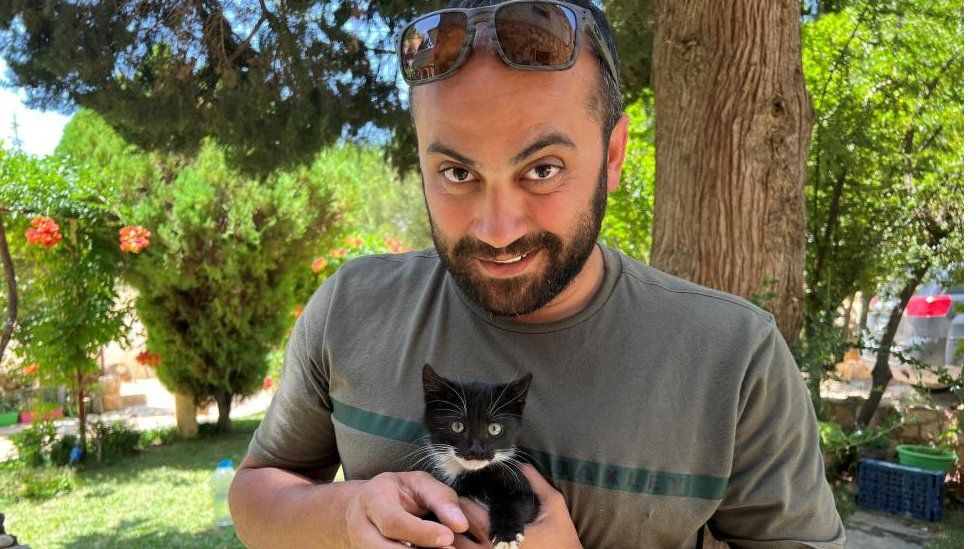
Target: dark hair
{"points": [[608, 99]]}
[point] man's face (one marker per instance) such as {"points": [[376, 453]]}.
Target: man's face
{"points": [[515, 177]]}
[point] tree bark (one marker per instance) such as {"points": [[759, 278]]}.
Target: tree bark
{"points": [[82, 413], [186, 415], [223, 411], [881, 374], [733, 130], [11, 282]]}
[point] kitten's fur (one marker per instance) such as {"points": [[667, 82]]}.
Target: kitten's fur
{"points": [[476, 463]]}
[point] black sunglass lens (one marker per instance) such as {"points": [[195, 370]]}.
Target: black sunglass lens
{"points": [[536, 34], [431, 46]]}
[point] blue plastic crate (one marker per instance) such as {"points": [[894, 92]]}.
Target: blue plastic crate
{"points": [[900, 490]]}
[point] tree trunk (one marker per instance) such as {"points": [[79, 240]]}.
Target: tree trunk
{"points": [[848, 309], [733, 129], [11, 283], [186, 415], [862, 320], [223, 411], [82, 415], [881, 374]]}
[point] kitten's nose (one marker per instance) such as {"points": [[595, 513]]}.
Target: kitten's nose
{"points": [[476, 446]]}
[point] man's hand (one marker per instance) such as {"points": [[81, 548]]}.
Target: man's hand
{"points": [[387, 508], [552, 528]]}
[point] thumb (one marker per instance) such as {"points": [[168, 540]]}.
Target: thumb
{"points": [[543, 490]]}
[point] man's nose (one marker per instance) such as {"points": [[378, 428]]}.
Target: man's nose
{"points": [[501, 217]]}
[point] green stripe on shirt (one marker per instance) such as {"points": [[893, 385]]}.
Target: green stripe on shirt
{"points": [[579, 471]]}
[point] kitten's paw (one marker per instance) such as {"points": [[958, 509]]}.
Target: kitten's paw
{"points": [[511, 544]]}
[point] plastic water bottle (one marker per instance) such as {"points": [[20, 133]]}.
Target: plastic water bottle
{"points": [[219, 485]]}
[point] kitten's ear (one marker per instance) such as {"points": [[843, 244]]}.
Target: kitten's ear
{"points": [[432, 382], [520, 389]]}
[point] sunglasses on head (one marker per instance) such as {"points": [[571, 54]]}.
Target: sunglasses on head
{"points": [[541, 35]]}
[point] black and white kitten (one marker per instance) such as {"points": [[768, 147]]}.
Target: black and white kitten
{"points": [[472, 428]]}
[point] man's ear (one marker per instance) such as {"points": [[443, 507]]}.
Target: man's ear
{"points": [[617, 152]]}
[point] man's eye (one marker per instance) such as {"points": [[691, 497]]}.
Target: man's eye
{"points": [[455, 174], [543, 171]]}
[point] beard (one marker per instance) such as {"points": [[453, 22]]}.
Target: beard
{"points": [[523, 294]]}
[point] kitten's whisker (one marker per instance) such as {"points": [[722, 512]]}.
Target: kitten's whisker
{"points": [[529, 457], [460, 394], [509, 401]]}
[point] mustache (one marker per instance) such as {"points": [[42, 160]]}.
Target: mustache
{"points": [[469, 246]]}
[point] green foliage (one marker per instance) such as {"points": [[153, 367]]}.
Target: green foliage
{"points": [[633, 30], [19, 482], [229, 254], [157, 437], [273, 82], [630, 209], [113, 441], [375, 202], [36, 443], [68, 291], [884, 184], [9, 403], [158, 499], [846, 448]]}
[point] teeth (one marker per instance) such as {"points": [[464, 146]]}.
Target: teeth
{"points": [[513, 260]]}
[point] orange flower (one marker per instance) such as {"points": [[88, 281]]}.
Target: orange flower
{"points": [[318, 265], [148, 359], [268, 383], [44, 232], [31, 369], [336, 254], [298, 311], [133, 238], [396, 246], [354, 242]]}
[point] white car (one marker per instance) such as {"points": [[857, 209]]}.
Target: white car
{"points": [[931, 331]]}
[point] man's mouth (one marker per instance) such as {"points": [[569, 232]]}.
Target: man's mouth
{"points": [[515, 259]]}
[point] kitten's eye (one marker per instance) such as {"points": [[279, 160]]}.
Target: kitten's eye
{"points": [[495, 429], [457, 427]]}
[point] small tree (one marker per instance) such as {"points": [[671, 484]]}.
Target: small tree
{"points": [[69, 270], [884, 181]]}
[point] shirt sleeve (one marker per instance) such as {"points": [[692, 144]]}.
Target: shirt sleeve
{"points": [[297, 431], [777, 495]]}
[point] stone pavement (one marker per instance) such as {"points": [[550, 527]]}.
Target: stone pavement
{"points": [[869, 530], [159, 411]]}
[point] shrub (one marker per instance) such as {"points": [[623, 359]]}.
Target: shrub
{"points": [[156, 437], [36, 443], [114, 440], [18, 481]]}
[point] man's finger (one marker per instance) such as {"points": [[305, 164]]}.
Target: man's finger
{"points": [[477, 518], [434, 496], [393, 522], [539, 484]]}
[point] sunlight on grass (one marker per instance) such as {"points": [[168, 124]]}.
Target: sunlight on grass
{"points": [[157, 499]]}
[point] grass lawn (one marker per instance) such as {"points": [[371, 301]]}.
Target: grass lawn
{"points": [[159, 498]]}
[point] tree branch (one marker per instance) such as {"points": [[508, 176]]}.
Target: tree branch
{"points": [[11, 279]]}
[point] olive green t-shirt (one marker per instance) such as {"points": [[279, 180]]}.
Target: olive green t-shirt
{"points": [[660, 406]]}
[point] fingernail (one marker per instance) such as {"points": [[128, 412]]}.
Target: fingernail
{"points": [[458, 516], [444, 539]]}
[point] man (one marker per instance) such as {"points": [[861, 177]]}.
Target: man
{"points": [[657, 406]]}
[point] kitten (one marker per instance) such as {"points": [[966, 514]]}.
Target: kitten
{"points": [[472, 427]]}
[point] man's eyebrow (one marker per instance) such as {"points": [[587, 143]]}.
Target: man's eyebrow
{"points": [[554, 138], [440, 148]]}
